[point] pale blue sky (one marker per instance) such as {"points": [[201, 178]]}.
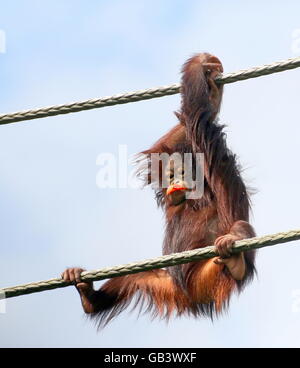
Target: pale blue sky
{"points": [[52, 214]]}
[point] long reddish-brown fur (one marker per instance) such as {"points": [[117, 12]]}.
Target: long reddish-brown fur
{"points": [[200, 288]]}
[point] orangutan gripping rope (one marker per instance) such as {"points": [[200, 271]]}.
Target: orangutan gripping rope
{"points": [[219, 216]]}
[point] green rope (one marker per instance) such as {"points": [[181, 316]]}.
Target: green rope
{"points": [[151, 264], [143, 95]]}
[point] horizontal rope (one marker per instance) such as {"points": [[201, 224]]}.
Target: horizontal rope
{"points": [[151, 264], [144, 94]]}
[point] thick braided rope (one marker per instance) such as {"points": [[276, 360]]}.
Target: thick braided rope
{"points": [[151, 264], [144, 94]]}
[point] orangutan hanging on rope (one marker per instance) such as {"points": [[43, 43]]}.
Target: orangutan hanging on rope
{"points": [[219, 216]]}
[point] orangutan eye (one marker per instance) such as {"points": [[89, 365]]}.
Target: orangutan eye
{"points": [[170, 175]]}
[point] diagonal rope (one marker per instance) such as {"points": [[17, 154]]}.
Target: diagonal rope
{"points": [[144, 94], [151, 264]]}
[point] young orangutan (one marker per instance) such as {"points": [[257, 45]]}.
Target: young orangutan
{"points": [[220, 216]]}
